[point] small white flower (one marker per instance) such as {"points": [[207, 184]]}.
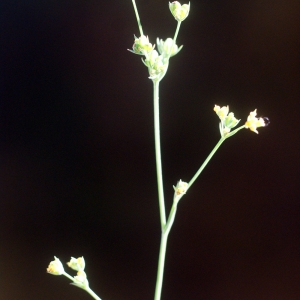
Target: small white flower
{"points": [[179, 12], [81, 280], [156, 64], [222, 112], [77, 263], [253, 122], [141, 45], [167, 48], [181, 188], [55, 267], [228, 121]]}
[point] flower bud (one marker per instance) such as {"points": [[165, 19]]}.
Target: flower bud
{"points": [[167, 48], [81, 277], [141, 45], [180, 188], [77, 263], [180, 12], [152, 58], [81, 280], [155, 63]]}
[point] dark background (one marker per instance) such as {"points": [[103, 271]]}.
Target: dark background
{"points": [[77, 161]]}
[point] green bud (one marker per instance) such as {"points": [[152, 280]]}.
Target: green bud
{"points": [[167, 48], [77, 263], [156, 64], [81, 280], [141, 45]]}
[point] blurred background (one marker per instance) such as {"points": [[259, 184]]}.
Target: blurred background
{"points": [[77, 150]]}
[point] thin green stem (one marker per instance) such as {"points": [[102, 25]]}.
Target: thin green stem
{"points": [[207, 160], [160, 187], [177, 31], [87, 288], [213, 152], [162, 251], [161, 265], [137, 17], [234, 131], [161, 201], [92, 293], [171, 217], [68, 276]]}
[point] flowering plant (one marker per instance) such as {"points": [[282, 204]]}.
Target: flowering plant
{"points": [[157, 62]]}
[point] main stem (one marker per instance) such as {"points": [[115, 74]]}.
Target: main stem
{"points": [[164, 235], [160, 187], [161, 265]]}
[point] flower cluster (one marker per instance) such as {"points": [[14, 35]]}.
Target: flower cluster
{"points": [[157, 61], [78, 264], [156, 64], [228, 121]]}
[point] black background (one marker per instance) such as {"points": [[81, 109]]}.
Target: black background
{"points": [[77, 161]]}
